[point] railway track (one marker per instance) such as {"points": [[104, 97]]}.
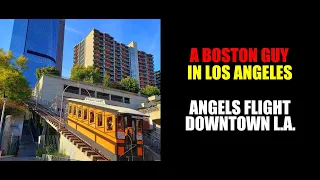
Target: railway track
{"points": [[54, 120]]}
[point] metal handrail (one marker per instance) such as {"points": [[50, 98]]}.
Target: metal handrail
{"points": [[62, 125]]}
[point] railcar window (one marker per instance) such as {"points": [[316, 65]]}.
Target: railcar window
{"points": [[79, 112], [70, 109], [120, 123], [91, 116], [99, 119], [139, 126], [109, 123], [74, 110], [85, 116]]}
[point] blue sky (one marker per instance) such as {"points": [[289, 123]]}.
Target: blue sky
{"points": [[145, 32]]}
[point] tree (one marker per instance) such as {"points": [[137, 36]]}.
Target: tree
{"points": [[12, 83], [107, 81], [130, 84], [88, 74], [150, 90], [47, 70], [15, 108], [116, 85]]}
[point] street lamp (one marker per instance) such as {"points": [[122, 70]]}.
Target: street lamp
{"points": [[62, 100]]}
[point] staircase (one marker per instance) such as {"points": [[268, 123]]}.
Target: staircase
{"points": [[27, 146]]}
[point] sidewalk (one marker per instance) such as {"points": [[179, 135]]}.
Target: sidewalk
{"points": [[12, 158]]}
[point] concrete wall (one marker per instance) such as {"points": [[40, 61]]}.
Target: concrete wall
{"points": [[68, 148], [49, 87], [12, 127], [88, 53], [154, 113]]}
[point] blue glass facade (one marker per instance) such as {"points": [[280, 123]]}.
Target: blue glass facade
{"points": [[38, 41]]}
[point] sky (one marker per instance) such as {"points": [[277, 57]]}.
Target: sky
{"points": [[146, 32]]}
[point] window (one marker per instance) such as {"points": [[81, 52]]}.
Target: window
{"points": [[71, 89], [70, 109], [116, 98], [102, 95], [109, 123], [127, 100], [120, 123], [74, 110], [85, 93], [99, 119], [79, 112], [85, 115], [139, 125], [91, 116]]}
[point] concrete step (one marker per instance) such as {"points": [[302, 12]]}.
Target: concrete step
{"points": [[96, 157], [79, 145], [90, 152], [84, 149]]}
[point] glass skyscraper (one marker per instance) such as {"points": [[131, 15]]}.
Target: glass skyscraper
{"points": [[39, 41]]}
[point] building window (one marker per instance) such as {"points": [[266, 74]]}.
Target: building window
{"points": [[109, 123], [74, 110], [85, 93], [71, 89], [99, 119], [116, 98], [91, 117], [85, 116], [101, 95], [127, 100]]}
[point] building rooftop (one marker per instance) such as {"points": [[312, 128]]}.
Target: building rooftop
{"points": [[96, 85]]}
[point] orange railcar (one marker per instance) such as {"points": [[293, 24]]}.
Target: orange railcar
{"points": [[115, 131]]}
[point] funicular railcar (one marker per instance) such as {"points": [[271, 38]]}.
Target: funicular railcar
{"points": [[117, 131]]}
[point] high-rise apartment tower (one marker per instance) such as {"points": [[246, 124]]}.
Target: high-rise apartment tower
{"points": [[114, 58], [158, 78]]}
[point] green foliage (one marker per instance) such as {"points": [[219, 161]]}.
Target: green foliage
{"points": [[88, 74], [150, 90], [41, 151], [58, 154], [14, 108], [21, 62], [107, 81], [116, 85], [130, 84], [12, 83], [51, 70], [49, 151]]}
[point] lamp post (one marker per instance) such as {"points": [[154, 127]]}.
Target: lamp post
{"points": [[62, 101]]}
